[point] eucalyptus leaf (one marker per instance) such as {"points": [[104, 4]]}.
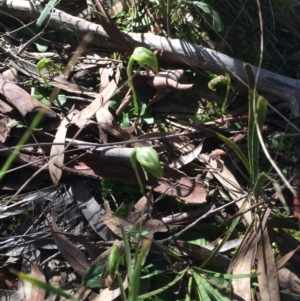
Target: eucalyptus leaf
{"points": [[91, 277]]}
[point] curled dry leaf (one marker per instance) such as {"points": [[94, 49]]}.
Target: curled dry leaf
{"points": [[289, 280], [216, 154], [21, 100], [169, 79]]}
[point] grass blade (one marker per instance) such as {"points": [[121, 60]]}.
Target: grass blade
{"points": [[237, 150]]}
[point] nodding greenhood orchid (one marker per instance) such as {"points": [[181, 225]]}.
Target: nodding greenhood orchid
{"points": [[148, 158], [146, 59]]}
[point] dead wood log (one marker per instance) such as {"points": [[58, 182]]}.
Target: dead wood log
{"points": [[174, 51]]}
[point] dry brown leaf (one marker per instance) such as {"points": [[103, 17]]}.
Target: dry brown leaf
{"points": [[87, 113], [284, 259], [154, 225], [37, 294], [184, 160], [243, 260], [243, 265], [21, 100], [142, 207], [287, 243], [289, 280], [69, 251], [169, 78], [114, 223], [228, 181], [175, 183], [107, 122], [296, 204], [109, 294], [266, 268], [4, 129]]}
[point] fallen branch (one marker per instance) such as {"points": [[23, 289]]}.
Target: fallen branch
{"points": [[174, 51]]}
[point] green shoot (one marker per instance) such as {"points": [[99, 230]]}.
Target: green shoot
{"points": [[47, 64], [145, 58]]}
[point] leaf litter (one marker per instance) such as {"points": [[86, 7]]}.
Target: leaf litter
{"points": [[72, 222]]}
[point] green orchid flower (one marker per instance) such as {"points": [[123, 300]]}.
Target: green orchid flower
{"points": [[146, 59], [47, 64], [148, 158]]}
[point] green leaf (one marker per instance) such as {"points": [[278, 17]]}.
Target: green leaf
{"points": [[217, 22], [259, 185], [261, 111], [213, 274], [165, 287], [253, 142], [41, 45], [256, 117], [127, 255], [46, 11], [113, 261], [237, 150], [205, 291], [153, 269], [91, 277], [125, 124], [60, 100], [135, 284]]}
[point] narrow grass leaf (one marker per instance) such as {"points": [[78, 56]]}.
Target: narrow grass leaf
{"points": [[165, 287], [253, 141], [226, 237], [205, 291], [217, 22], [200, 292], [189, 289], [127, 255], [237, 150], [262, 178], [135, 285], [213, 274], [46, 11]]}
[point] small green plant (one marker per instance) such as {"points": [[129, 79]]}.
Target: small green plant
{"points": [[47, 64], [145, 58], [148, 158], [256, 117]]}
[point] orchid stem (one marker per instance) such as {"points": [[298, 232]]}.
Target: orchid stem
{"points": [[134, 166], [130, 77]]}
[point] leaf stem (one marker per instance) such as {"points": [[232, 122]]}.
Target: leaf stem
{"points": [[129, 75]]}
